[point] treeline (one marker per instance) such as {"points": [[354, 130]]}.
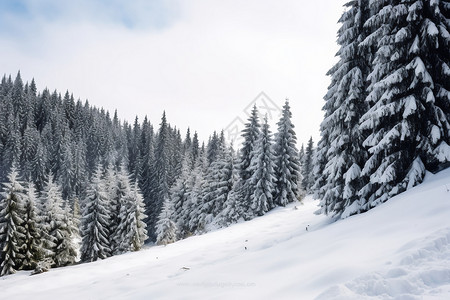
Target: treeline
{"points": [[117, 184], [387, 110], [216, 187], [40, 231]]}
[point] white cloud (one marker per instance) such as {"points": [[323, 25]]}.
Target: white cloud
{"points": [[203, 69]]}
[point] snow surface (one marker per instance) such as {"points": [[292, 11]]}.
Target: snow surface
{"points": [[399, 250]]}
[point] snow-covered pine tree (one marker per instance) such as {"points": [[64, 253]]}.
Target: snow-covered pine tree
{"points": [[408, 96], [195, 147], [159, 181], [197, 188], [80, 172], [66, 177], [219, 182], [139, 233], [319, 178], [187, 143], [226, 176], [33, 251], [12, 232], [95, 221], [344, 154], [287, 163], [179, 195], [30, 141], [262, 182], [69, 246], [76, 213], [232, 211], [147, 158], [19, 101], [133, 148], [308, 175], [250, 134], [116, 186], [213, 148], [56, 224], [131, 231], [12, 148], [176, 156], [301, 155], [166, 229]]}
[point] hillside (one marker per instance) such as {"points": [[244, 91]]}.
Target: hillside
{"points": [[399, 250]]}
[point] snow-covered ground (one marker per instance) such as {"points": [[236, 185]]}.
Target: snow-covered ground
{"points": [[400, 250]]}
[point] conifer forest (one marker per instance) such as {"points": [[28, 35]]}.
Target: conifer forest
{"points": [[79, 183]]}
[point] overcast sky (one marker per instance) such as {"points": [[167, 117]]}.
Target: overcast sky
{"points": [[202, 61]]}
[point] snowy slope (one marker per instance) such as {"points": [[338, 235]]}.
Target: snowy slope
{"points": [[400, 250]]}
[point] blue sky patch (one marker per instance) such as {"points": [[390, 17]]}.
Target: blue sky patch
{"points": [[18, 17]]}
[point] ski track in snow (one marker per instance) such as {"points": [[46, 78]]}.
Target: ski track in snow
{"points": [[399, 250]]}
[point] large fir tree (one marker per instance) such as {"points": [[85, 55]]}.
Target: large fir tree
{"points": [[33, 251], [12, 232], [250, 134], [408, 96], [287, 163], [56, 225], [160, 178], [166, 229], [262, 182], [340, 148], [95, 221]]}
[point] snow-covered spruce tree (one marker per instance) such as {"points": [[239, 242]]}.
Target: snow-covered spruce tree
{"points": [[69, 246], [262, 182], [12, 232], [30, 141], [139, 235], [33, 251], [80, 173], [344, 154], [159, 181], [132, 231], [12, 145], [301, 155], [66, 173], [195, 147], [213, 148], [147, 158], [166, 229], [219, 183], [250, 134], [133, 148], [187, 143], [197, 187], [95, 221], [116, 186], [76, 214], [319, 159], [232, 211], [308, 175], [179, 195], [57, 227], [176, 156], [408, 96], [287, 164]]}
